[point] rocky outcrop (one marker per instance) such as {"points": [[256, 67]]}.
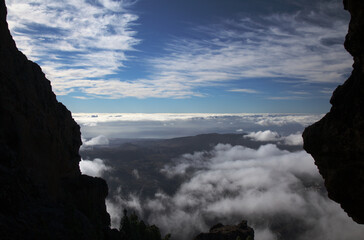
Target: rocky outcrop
{"points": [[220, 232], [42, 192], [336, 142]]}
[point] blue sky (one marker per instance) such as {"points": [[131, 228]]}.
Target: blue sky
{"points": [[214, 56]]}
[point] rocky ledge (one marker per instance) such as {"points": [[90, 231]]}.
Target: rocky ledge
{"points": [[220, 232], [42, 192], [336, 142]]}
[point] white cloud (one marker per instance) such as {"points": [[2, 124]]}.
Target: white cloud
{"points": [[284, 119], [86, 40], [328, 91], [269, 187], [294, 139], [286, 98], [267, 135], [99, 140], [286, 47], [94, 168], [263, 136], [135, 173], [169, 125], [263, 119], [74, 41], [243, 90], [117, 203]]}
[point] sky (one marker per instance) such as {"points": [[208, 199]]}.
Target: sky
{"points": [[204, 56]]}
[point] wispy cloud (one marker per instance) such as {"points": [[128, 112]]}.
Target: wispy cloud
{"points": [[294, 47], [96, 141], [286, 98], [243, 90], [80, 45], [327, 91], [75, 42]]}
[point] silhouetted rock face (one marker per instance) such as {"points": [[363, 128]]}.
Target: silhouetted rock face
{"points": [[336, 142], [42, 192], [221, 232]]}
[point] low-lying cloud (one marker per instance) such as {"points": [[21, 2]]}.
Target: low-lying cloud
{"points": [[99, 140], [294, 139], [263, 136], [117, 203], [277, 191], [271, 136], [94, 168]]}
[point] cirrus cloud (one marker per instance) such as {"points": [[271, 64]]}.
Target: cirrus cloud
{"points": [[84, 45]]}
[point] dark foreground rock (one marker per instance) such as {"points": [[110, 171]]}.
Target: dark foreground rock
{"points": [[336, 142], [42, 192], [220, 232]]}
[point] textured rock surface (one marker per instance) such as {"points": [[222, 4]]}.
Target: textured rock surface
{"points": [[42, 192], [221, 232], [336, 142]]}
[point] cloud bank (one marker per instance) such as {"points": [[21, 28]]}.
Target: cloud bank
{"points": [[277, 191], [169, 125]]}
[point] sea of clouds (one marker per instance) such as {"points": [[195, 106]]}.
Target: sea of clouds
{"points": [[274, 189], [169, 125]]}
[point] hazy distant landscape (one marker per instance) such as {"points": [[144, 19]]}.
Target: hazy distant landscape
{"points": [[188, 183]]}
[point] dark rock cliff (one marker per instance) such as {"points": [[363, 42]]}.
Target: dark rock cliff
{"points": [[336, 142], [42, 192]]}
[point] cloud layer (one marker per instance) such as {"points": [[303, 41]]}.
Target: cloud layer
{"points": [[168, 125], [276, 191]]}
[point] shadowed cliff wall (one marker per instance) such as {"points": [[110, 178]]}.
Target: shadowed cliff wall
{"points": [[336, 142], [42, 192]]}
